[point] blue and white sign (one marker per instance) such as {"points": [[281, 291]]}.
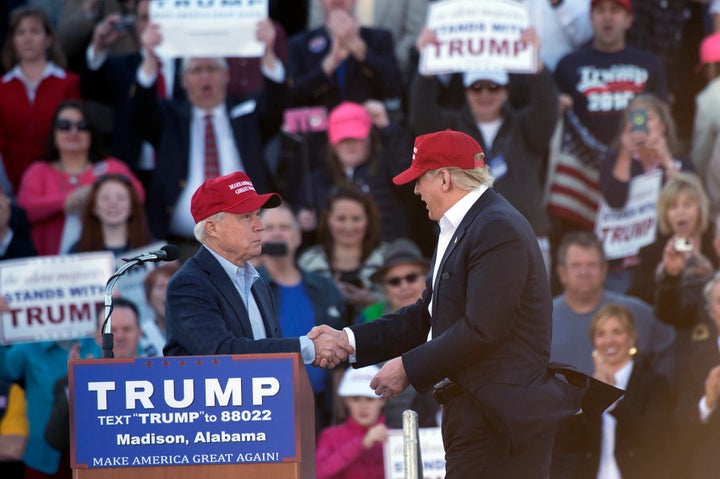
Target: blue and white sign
{"points": [[183, 410]]}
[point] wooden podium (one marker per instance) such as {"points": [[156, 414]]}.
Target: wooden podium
{"points": [[300, 464]]}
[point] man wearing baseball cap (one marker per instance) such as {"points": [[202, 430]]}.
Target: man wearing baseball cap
{"points": [[480, 335], [217, 303]]}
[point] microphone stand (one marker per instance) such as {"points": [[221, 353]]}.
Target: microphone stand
{"points": [[107, 336]]}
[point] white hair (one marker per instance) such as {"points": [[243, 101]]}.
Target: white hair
{"points": [[470, 179], [199, 229], [185, 64]]}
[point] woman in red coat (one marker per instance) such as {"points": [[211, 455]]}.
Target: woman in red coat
{"points": [[31, 90]]}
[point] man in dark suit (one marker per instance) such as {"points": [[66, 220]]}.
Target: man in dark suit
{"points": [[342, 61], [487, 312], [217, 303], [181, 131], [698, 382], [107, 78]]}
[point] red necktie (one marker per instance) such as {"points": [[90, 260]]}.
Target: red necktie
{"points": [[160, 85], [212, 168]]}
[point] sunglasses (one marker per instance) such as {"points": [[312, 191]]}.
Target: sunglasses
{"points": [[479, 86], [67, 125], [397, 280]]}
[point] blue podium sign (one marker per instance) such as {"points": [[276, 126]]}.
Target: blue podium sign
{"points": [[184, 411]]}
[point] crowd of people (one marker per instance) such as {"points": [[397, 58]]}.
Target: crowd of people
{"points": [[108, 146]]}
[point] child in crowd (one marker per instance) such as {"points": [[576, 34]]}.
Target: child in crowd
{"points": [[354, 449]]}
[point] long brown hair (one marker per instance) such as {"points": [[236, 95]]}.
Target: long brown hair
{"points": [[348, 191], [91, 236], [54, 53]]}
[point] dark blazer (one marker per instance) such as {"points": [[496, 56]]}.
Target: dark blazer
{"points": [[491, 326], [697, 442], [205, 314], [21, 245], [641, 432], [166, 124], [378, 76]]}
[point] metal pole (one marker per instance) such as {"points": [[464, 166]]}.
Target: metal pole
{"points": [[411, 445]]}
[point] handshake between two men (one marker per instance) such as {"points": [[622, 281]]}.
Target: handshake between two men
{"points": [[333, 347]]}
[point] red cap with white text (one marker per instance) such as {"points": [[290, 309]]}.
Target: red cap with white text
{"points": [[233, 193], [442, 149]]}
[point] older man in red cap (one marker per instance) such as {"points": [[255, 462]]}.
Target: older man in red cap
{"points": [[217, 303], [481, 333]]}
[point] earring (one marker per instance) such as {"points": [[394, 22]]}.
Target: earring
{"points": [[633, 351]]}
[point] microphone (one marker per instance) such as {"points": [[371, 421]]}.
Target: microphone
{"points": [[169, 252]]}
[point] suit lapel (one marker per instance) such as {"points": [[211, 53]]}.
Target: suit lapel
{"points": [[225, 287], [485, 199]]}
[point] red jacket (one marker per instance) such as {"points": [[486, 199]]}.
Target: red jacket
{"points": [[24, 126], [341, 454]]}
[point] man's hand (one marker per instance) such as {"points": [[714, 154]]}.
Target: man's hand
{"points": [[265, 33], [331, 346], [712, 388], [105, 33], [345, 29], [391, 380]]}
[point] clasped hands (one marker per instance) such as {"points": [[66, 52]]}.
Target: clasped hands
{"points": [[331, 346]]}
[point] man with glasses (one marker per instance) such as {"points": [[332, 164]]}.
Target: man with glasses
{"points": [[514, 141], [582, 269]]}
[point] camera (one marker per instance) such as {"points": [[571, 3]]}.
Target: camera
{"points": [[274, 249], [683, 245], [126, 23]]}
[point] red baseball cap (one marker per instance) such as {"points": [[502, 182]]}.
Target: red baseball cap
{"points": [[348, 120], [233, 193], [626, 4], [442, 149]]}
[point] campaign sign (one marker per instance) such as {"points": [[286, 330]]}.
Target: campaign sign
{"points": [[623, 231], [208, 28], [432, 453], [53, 297], [183, 411], [478, 35]]}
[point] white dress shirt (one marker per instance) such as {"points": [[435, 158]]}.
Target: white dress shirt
{"points": [[608, 468]]}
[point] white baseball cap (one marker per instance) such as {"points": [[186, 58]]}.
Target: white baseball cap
{"points": [[356, 382], [496, 76]]}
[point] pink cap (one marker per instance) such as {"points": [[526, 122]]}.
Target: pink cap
{"points": [[348, 120], [233, 193], [442, 149], [710, 49]]}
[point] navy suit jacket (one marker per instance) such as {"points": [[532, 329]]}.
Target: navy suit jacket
{"points": [[166, 124], [21, 245], [491, 326], [205, 314], [377, 77]]}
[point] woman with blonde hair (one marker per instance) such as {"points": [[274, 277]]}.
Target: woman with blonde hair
{"points": [[684, 235]]}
